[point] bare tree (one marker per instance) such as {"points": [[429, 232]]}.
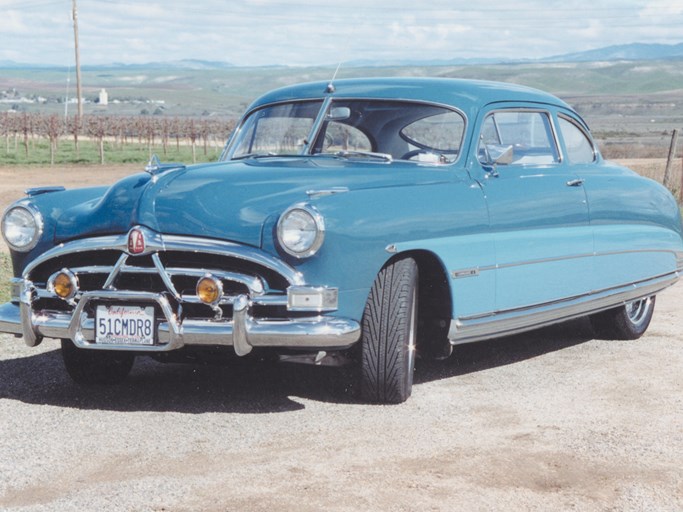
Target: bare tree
{"points": [[53, 129], [75, 127], [26, 129], [96, 127], [5, 126], [165, 132], [192, 132]]}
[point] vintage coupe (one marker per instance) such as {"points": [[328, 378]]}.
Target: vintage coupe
{"points": [[367, 220]]}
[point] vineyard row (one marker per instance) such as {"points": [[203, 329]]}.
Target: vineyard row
{"points": [[121, 130]]}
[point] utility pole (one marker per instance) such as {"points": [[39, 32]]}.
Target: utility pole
{"points": [[78, 63]]}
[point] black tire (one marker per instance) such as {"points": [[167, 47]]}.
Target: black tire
{"points": [[96, 366], [627, 322], [389, 334]]}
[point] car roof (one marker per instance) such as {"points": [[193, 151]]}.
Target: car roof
{"points": [[466, 95]]}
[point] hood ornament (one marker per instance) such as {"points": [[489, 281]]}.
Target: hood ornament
{"points": [[154, 166]]}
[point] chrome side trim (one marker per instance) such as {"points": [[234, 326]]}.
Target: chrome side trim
{"points": [[312, 194], [469, 272], [570, 257], [563, 300], [513, 321]]}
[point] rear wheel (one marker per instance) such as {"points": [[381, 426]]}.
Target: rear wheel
{"points": [[389, 334], [627, 322], [96, 366]]}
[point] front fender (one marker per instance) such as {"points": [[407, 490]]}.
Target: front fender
{"points": [[366, 228]]}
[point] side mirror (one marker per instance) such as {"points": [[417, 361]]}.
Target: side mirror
{"points": [[491, 155], [499, 154]]}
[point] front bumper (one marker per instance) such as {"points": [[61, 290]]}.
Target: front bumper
{"points": [[242, 332], [266, 302]]}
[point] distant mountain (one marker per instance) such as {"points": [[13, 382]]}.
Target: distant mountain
{"points": [[194, 64], [633, 51], [365, 63], [10, 64]]}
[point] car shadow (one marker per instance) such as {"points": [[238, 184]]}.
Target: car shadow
{"points": [[257, 388], [493, 353]]}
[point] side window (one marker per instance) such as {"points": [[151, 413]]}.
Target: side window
{"points": [[344, 137], [438, 136], [517, 138], [579, 147]]}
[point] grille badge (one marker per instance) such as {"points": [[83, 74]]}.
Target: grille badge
{"points": [[136, 241]]}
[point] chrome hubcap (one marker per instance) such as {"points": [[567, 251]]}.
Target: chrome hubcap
{"points": [[637, 310]]}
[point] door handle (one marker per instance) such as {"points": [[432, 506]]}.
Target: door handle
{"points": [[575, 183]]}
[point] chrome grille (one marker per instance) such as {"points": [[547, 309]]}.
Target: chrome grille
{"points": [[173, 271]]}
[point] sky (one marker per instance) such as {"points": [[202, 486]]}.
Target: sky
{"points": [[326, 32]]}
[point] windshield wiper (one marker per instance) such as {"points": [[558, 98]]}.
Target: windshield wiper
{"points": [[255, 155], [367, 154]]}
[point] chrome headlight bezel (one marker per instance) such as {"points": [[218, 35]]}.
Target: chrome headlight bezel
{"points": [[36, 226], [301, 215]]}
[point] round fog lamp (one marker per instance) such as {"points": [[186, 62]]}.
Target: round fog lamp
{"points": [[209, 290], [64, 284]]}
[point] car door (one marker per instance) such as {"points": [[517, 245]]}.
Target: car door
{"points": [[633, 241], [538, 211]]}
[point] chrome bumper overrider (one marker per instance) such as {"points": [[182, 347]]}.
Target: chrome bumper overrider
{"points": [[241, 332]]}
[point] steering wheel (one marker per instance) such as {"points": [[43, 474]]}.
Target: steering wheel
{"points": [[441, 155], [415, 152]]}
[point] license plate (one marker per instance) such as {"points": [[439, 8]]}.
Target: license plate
{"points": [[124, 325]]}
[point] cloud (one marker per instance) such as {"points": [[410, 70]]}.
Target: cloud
{"points": [[261, 32]]}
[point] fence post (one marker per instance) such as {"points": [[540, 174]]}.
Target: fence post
{"points": [[668, 181]]}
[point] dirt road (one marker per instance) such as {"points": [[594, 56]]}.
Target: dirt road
{"points": [[549, 420]]}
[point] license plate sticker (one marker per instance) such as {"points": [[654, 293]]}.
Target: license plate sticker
{"points": [[124, 325]]}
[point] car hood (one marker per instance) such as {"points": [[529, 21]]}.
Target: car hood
{"points": [[228, 201]]}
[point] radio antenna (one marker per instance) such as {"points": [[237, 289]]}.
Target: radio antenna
{"points": [[330, 86]]}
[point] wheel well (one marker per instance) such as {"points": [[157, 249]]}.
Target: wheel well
{"points": [[434, 304]]}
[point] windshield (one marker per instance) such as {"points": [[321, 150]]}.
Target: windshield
{"points": [[352, 128]]}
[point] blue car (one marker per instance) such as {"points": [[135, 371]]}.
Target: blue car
{"points": [[367, 222]]}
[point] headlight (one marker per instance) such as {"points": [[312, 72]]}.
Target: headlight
{"points": [[22, 227], [301, 231]]}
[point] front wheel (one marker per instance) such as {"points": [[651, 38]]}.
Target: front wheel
{"points": [[389, 334], [95, 366], [627, 322]]}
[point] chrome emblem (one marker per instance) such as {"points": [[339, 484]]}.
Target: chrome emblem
{"points": [[136, 241]]}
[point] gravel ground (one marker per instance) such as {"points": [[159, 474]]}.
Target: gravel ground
{"points": [[549, 420]]}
